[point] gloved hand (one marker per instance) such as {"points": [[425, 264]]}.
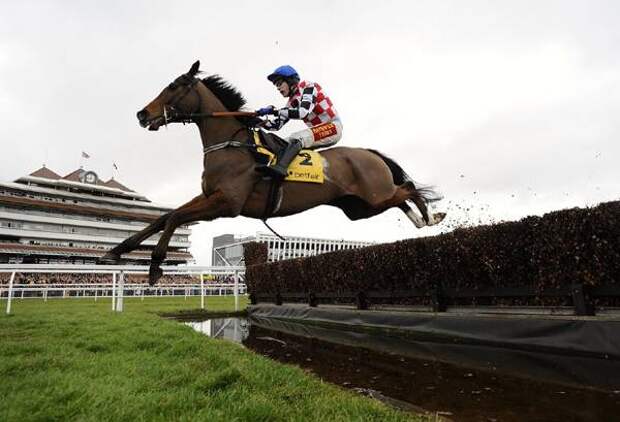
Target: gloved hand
{"points": [[266, 110]]}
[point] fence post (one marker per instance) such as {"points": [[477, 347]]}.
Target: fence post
{"points": [[438, 299], [362, 301], [114, 291], [202, 291], [581, 299], [312, 301], [236, 291], [8, 301], [121, 291]]}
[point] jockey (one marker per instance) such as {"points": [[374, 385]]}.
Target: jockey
{"points": [[307, 102]]}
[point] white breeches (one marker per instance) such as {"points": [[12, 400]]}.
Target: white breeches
{"points": [[320, 136]]}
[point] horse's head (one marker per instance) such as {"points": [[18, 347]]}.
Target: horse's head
{"points": [[178, 99]]}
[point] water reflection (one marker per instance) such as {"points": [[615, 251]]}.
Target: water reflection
{"points": [[232, 329], [465, 383]]}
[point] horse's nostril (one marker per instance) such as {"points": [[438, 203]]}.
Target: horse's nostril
{"points": [[141, 115]]}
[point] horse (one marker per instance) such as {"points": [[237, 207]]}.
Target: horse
{"points": [[360, 182]]}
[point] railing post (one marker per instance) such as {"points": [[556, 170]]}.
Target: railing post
{"points": [[581, 300], [114, 291], [312, 301], [362, 301], [8, 301], [438, 299], [202, 291], [236, 291], [121, 291]]}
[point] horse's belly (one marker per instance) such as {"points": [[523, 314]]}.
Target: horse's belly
{"points": [[291, 198]]}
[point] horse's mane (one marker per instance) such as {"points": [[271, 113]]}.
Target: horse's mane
{"points": [[225, 92]]}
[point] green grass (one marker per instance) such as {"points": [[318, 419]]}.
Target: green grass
{"points": [[75, 359]]}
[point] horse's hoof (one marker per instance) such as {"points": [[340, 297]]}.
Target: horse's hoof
{"points": [[155, 274], [109, 258], [437, 218]]}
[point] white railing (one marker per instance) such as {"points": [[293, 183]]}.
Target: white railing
{"points": [[117, 288]]}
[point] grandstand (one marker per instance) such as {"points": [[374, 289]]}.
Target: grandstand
{"points": [[47, 218]]}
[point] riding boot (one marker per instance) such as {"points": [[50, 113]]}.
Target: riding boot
{"points": [[280, 168]]}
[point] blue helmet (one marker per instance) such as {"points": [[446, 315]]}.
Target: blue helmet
{"points": [[283, 72]]}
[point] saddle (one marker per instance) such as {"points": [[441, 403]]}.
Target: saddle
{"points": [[306, 167], [267, 145]]}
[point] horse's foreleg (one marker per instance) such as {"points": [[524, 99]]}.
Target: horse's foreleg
{"points": [[132, 242], [201, 208]]}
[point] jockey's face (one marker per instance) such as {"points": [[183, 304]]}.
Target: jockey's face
{"points": [[283, 87]]}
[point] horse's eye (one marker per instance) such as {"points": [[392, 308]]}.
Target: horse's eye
{"points": [[172, 86]]}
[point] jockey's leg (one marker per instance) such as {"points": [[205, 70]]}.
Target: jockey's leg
{"points": [[320, 136], [280, 168], [323, 135]]}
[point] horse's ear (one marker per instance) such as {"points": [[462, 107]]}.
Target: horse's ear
{"points": [[194, 69]]}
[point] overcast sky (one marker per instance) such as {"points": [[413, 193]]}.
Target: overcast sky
{"points": [[509, 107]]}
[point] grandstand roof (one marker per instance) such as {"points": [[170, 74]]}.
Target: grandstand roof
{"points": [[74, 176], [77, 177], [114, 184], [133, 200], [45, 173]]}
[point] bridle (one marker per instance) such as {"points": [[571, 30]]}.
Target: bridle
{"points": [[172, 115]]}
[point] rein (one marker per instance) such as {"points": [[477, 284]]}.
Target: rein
{"points": [[175, 117]]}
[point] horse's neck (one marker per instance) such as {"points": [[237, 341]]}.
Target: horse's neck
{"points": [[214, 130]]}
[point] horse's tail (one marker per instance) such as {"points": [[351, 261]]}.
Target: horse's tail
{"points": [[399, 176]]}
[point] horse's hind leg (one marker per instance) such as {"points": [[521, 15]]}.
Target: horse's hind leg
{"points": [[411, 214], [427, 219]]}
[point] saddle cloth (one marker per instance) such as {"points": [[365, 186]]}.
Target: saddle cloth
{"points": [[306, 167]]}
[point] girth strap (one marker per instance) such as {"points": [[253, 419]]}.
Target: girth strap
{"points": [[227, 144]]}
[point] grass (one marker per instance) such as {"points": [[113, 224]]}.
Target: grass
{"points": [[74, 359]]}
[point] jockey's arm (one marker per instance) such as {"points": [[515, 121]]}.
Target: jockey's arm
{"points": [[275, 124], [306, 105]]}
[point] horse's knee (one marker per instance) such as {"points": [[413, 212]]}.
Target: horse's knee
{"points": [[157, 256]]}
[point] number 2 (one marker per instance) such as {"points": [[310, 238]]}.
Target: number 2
{"points": [[307, 161]]}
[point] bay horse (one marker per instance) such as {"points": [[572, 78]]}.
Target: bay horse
{"points": [[361, 182]]}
